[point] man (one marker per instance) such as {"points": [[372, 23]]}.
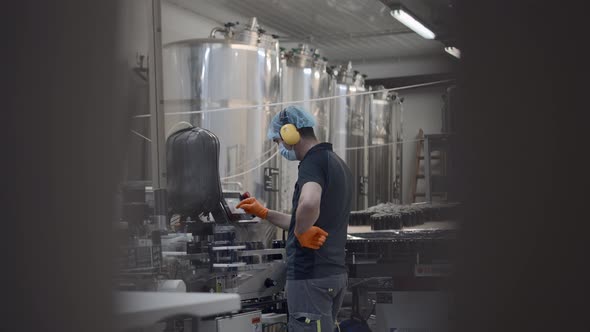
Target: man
{"points": [[316, 272]]}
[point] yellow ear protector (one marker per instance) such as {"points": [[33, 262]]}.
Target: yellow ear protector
{"points": [[288, 132]]}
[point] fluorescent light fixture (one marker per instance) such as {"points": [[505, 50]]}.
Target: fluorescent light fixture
{"points": [[453, 51], [409, 21]]}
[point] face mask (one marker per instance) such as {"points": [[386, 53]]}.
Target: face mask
{"points": [[288, 154]]}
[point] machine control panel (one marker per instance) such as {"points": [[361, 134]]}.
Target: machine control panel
{"points": [[230, 200], [270, 183]]}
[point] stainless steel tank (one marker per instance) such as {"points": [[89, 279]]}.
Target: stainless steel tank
{"points": [[385, 148], [240, 69], [303, 77], [348, 129]]}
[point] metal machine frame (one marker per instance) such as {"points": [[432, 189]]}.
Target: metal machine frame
{"points": [[158, 136]]}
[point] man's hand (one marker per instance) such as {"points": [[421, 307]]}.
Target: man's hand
{"points": [[252, 206], [313, 238]]}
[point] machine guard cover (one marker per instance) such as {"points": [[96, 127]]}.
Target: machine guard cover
{"points": [[192, 158]]}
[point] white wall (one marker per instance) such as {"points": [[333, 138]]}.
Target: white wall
{"points": [[422, 108], [179, 24]]}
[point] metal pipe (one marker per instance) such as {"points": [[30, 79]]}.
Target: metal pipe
{"points": [[155, 75], [216, 30]]}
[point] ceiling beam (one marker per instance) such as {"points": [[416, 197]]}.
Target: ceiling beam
{"points": [[404, 66], [343, 36]]}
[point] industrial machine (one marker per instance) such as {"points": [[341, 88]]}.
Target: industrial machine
{"points": [[385, 153], [210, 259], [403, 276], [304, 77], [237, 66], [349, 120], [241, 66], [210, 245]]}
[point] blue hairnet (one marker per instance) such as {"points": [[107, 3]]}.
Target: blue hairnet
{"points": [[295, 115]]}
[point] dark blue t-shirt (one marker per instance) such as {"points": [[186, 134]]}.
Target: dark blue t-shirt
{"points": [[323, 166]]}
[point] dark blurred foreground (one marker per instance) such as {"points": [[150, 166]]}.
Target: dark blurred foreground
{"points": [[522, 253]]}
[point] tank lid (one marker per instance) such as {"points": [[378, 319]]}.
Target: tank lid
{"points": [[251, 33], [345, 75], [305, 56]]}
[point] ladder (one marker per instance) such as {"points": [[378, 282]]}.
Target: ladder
{"points": [[429, 148]]}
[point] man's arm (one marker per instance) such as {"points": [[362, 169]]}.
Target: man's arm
{"points": [[308, 209], [252, 206], [279, 219]]}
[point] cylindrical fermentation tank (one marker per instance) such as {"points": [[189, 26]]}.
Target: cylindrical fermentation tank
{"points": [[348, 123], [385, 147], [240, 69], [303, 77]]}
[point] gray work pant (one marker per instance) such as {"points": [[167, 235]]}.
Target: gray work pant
{"points": [[314, 303]]}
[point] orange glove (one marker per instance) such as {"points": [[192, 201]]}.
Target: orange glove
{"points": [[252, 206], [313, 238]]}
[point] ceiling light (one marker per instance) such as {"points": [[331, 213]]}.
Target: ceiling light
{"points": [[403, 16], [453, 51]]}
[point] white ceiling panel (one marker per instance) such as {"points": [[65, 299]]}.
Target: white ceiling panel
{"points": [[358, 30]]}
